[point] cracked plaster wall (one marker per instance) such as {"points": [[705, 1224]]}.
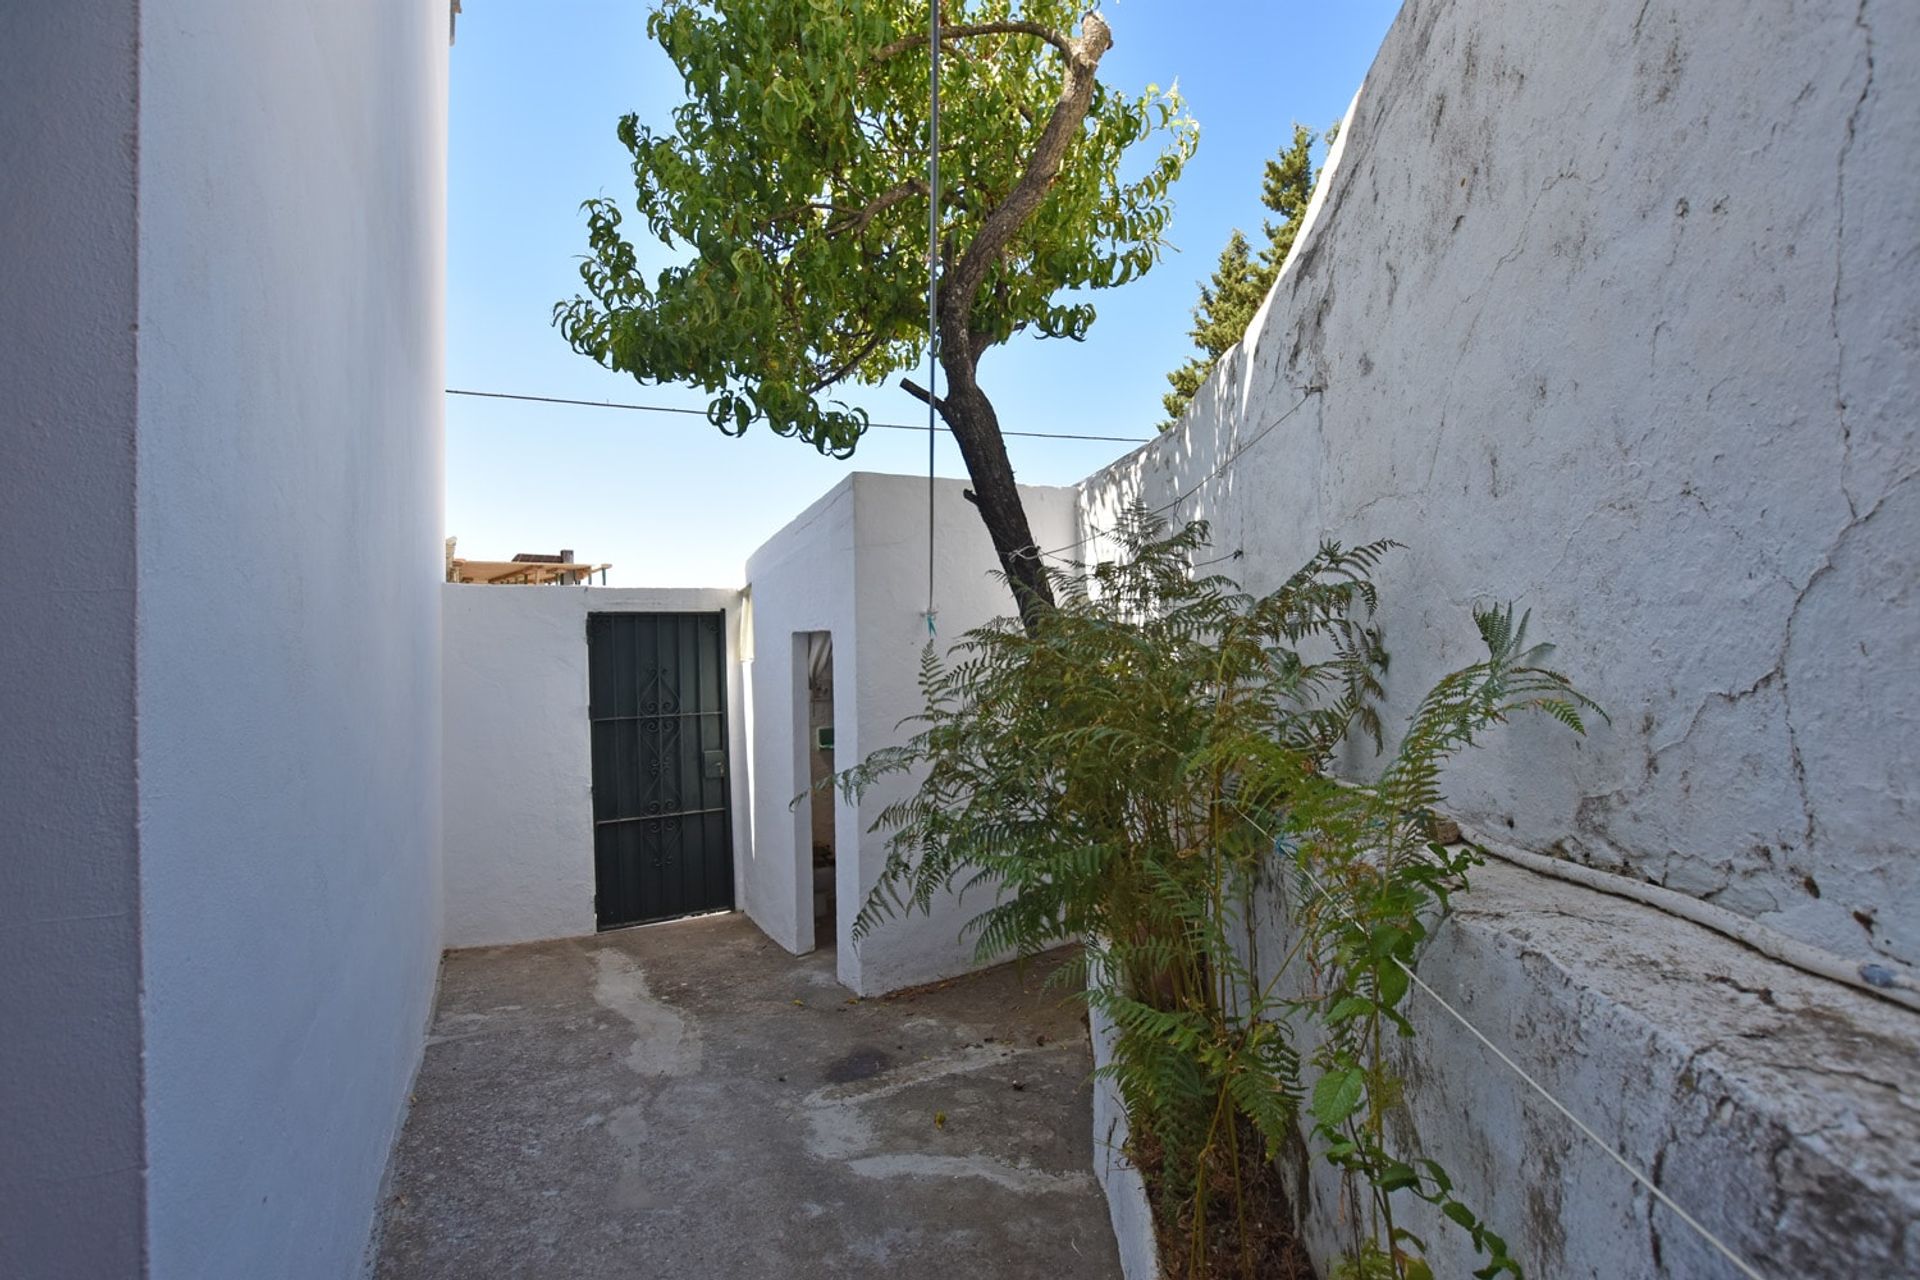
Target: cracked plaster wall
{"points": [[1611, 310], [1775, 1107]]}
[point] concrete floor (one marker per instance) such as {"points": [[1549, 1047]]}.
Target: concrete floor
{"points": [[689, 1101]]}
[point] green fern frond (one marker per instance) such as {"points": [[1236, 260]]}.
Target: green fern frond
{"points": [[1152, 754]]}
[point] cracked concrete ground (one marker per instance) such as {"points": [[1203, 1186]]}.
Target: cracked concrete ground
{"points": [[688, 1100]]}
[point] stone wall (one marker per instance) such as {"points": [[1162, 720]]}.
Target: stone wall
{"points": [[1612, 310]]}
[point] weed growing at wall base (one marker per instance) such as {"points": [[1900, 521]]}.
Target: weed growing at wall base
{"points": [[1129, 773]]}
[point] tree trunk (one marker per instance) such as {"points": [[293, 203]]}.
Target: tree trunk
{"points": [[976, 428], [966, 408]]}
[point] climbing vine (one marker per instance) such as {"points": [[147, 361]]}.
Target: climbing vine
{"points": [[1130, 773]]}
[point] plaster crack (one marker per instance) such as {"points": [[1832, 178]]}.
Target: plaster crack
{"points": [[1786, 645], [1653, 1219], [1763, 994], [1485, 293], [1839, 1073], [1840, 259], [1775, 674]]}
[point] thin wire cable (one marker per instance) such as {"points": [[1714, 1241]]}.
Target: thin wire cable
{"points": [[933, 276], [1058, 553], [702, 413], [1726, 1252]]}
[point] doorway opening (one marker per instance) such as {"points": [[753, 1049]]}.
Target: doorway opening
{"points": [[813, 671], [657, 712]]}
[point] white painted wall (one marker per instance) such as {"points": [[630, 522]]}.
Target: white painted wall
{"points": [[1612, 310], [519, 773], [855, 564], [801, 580], [1128, 1208], [291, 214], [72, 1183]]}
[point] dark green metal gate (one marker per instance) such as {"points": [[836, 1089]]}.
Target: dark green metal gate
{"points": [[657, 700]]}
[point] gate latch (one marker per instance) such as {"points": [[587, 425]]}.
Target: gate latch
{"points": [[716, 764]]}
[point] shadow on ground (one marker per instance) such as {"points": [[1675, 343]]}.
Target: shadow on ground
{"points": [[689, 1101]]}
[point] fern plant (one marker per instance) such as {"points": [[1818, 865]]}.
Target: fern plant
{"points": [[1129, 773]]}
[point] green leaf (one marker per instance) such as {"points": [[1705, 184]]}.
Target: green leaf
{"points": [[1396, 1176], [1350, 1007], [1337, 1096], [1394, 982]]}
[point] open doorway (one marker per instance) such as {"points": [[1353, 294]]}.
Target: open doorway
{"points": [[815, 673]]}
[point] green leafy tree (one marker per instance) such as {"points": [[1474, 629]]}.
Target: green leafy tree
{"points": [[1241, 281], [793, 188], [1226, 308]]}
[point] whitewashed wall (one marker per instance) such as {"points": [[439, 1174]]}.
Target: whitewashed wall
{"points": [[72, 1182], [801, 580], [518, 763], [291, 227], [1613, 310], [855, 564]]}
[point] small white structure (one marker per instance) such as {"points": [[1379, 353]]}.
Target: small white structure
{"points": [[854, 566], [823, 657], [519, 784]]}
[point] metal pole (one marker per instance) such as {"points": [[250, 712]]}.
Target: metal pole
{"points": [[933, 277]]}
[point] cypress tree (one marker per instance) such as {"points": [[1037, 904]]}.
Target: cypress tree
{"points": [[1242, 278]]}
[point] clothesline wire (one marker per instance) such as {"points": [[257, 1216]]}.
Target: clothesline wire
{"points": [[702, 413], [1059, 553]]}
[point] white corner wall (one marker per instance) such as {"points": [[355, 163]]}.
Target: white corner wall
{"points": [[800, 580], [291, 215], [855, 564], [891, 577], [518, 764]]}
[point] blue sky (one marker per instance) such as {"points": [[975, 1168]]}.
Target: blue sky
{"points": [[536, 92]]}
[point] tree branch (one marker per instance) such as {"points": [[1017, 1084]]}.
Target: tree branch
{"points": [[856, 221], [1069, 113], [923, 395], [1035, 29], [872, 344]]}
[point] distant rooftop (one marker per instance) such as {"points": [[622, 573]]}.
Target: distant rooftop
{"points": [[528, 568]]}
